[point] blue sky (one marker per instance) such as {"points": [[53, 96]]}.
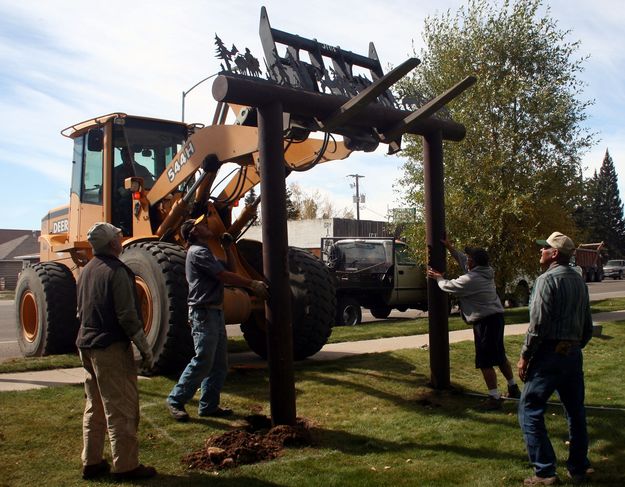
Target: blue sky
{"points": [[65, 61]]}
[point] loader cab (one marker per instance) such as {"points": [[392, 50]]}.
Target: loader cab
{"points": [[106, 154]]}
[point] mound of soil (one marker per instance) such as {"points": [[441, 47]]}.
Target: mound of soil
{"points": [[256, 442]]}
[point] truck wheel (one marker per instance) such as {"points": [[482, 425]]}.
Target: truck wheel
{"points": [[45, 306], [598, 276], [162, 293], [590, 276], [348, 312], [381, 312], [312, 306]]}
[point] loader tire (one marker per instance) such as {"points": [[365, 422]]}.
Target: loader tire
{"points": [[45, 308], [313, 300], [162, 292]]}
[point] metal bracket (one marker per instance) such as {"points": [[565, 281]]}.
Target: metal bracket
{"points": [[395, 132], [355, 105]]}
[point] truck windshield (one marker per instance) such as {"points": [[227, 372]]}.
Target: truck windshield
{"points": [[150, 144], [363, 254]]}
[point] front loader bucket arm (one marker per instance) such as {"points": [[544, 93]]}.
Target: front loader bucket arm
{"points": [[296, 156], [228, 143]]}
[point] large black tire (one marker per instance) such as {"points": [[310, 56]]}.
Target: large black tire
{"points": [[313, 300], [162, 291], [381, 312], [348, 312], [45, 308]]}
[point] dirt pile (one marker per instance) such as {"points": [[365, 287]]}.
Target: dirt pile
{"points": [[257, 441]]}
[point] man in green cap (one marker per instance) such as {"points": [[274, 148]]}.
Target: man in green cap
{"points": [[551, 360]]}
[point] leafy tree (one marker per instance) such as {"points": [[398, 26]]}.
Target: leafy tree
{"points": [[583, 214], [606, 209], [517, 174], [307, 206]]}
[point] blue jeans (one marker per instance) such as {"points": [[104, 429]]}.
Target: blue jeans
{"points": [[550, 371], [209, 367]]}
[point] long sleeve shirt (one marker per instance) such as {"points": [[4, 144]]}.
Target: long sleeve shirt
{"points": [[124, 299], [559, 309], [475, 290]]}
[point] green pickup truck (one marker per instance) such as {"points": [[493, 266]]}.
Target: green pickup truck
{"points": [[374, 273]]}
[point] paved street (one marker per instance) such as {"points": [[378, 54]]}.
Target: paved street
{"points": [[9, 348]]}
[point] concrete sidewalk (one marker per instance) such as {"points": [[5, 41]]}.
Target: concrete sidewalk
{"points": [[49, 378]]}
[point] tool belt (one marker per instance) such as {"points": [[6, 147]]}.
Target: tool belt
{"points": [[561, 347]]}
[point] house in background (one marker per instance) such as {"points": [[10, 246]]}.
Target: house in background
{"points": [[17, 248]]}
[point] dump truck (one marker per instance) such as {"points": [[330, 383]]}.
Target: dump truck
{"points": [[590, 259], [378, 274], [147, 175]]}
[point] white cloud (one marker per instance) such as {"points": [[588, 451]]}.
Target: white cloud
{"points": [[66, 62]]}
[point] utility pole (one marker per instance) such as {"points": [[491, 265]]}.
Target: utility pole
{"points": [[357, 177]]}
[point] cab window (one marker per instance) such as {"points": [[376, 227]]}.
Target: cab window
{"points": [[402, 256], [87, 170]]}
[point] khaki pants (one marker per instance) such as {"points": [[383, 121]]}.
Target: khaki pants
{"points": [[112, 402]]}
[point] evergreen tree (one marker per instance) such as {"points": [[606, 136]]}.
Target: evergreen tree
{"points": [[517, 174], [292, 211], [608, 224]]}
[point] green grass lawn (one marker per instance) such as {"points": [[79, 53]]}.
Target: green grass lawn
{"points": [[376, 423], [365, 331]]}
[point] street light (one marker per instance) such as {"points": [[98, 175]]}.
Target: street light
{"points": [[185, 93]]}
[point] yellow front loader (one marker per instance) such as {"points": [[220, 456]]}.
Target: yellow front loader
{"points": [[182, 162]]}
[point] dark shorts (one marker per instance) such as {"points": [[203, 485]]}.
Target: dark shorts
{"points": [[488, 336]]}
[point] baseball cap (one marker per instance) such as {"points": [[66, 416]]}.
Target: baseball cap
{"points": [[101, 234], [560, 242], [478, 254], [188, 225]]}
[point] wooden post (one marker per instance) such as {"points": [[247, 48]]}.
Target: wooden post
{"points": [[434, 232], [275, 265]]}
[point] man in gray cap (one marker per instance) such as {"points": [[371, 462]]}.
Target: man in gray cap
{"points": [[206, 275], [481, 308], [109, 321], [551, 360]]}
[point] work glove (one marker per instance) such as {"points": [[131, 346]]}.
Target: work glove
{"points": [[142, 345], [260, 289], [226, 240]]}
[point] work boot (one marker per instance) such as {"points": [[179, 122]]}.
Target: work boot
{"points": [[96, 470], [536, 480], [217, 413], [514, 392], [179, 414], [138, 473], [491, 404]]}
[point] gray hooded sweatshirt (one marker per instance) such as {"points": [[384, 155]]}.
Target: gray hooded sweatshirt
{"points": [[475, 290]]}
